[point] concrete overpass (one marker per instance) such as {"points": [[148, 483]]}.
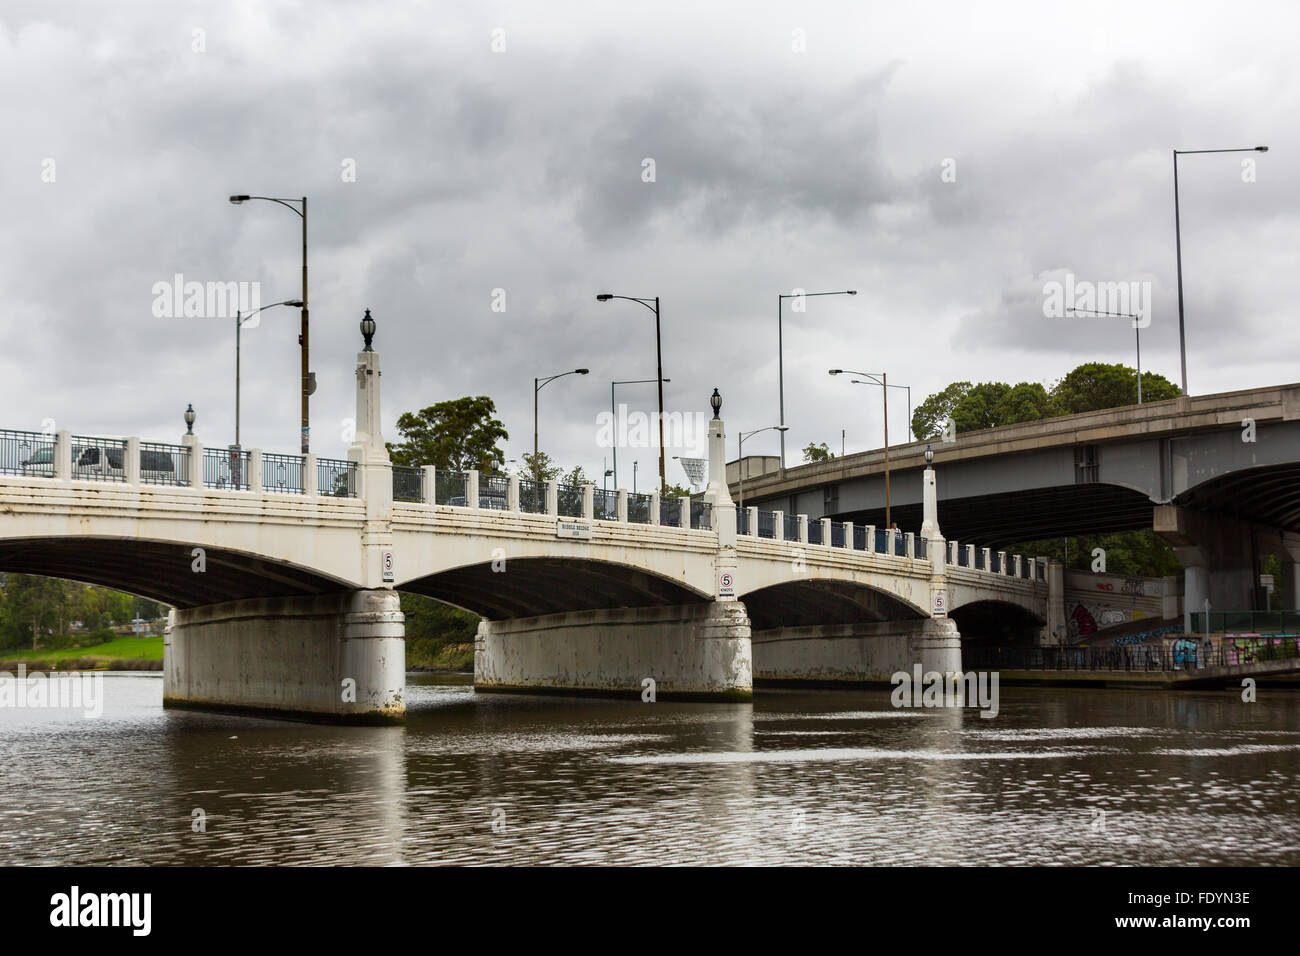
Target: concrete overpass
{"points": [[283, 572], [1218, 476]]}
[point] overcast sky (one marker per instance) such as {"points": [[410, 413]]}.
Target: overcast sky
{"points": [[795, 145]]}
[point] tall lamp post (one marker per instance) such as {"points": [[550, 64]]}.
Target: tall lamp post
{"points": [[883, 382], [240, 319], [780, 350], [308, 385], [659, 352], [613, 410], [538, 385], [1137, 332], [858, 381], [740, 453], [1178, 244]]}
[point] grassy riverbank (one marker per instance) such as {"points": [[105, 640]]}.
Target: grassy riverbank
{"points": [[123, 653]]}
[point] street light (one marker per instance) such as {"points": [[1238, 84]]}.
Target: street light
{"points": [[740, 448], [882, 381], [308, 384], [1178, 244], [240, 319], [614, 412], [538, 385], [659, 352], [858, 381], [1137, 331], [780, 350]]}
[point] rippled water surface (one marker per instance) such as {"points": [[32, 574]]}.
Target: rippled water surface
{"points": [[1060, 776]]}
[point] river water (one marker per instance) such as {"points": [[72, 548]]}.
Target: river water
{"points": [[1059, 776]]}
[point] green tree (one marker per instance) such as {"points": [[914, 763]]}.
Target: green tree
{"points": [[1139, 553], [1095, 385], [543, 469], [980, 407], [930, 417], [817, 452], [456, 435]]}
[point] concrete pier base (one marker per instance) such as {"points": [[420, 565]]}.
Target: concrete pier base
{"points": [[338, 658], [694, 651], [866, 653]]}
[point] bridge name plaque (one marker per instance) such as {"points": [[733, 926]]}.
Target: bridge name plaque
{"points": [[573, 529]]}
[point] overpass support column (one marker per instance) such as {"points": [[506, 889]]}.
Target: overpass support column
{"points": [[335, 658], [1218, 557], [1289, 587]]}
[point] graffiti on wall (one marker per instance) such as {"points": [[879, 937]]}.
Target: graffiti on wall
{"points": [[1085, 620]]}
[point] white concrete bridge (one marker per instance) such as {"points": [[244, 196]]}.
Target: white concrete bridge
{"points": [[283, 572]]}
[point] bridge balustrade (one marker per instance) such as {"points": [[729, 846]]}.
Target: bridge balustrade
{"points": [[99, 459], [995, 562], [604, 505], [979, 559], [283, 474], [162, 464], [919, 544], [837, 534], [336, 478], [881, 543], [224, 469], [670, 512], [638, 508], [408, 483], [815, 532], [449, 488], [701, 515], [790, 527], [532, 496], [900, 544], [742, 521], [860, 542], [766, 524], [494, 492], [26, 453], [569, 499]]}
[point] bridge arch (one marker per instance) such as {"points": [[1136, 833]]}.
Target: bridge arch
{"points": [[534, 586], [163, 571], [993, 621], [817, 601]]}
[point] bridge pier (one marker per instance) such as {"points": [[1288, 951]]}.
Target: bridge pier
{"points": [[335, 658], [693, 651], [1217, 554]]}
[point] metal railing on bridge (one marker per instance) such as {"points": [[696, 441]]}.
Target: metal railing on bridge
{"points": [[1247, 622], [638, 507], [569, 500], [532, 496], [604, 505], [670, 512], [162, 464], [449, 488], [225, 469], [336, 478], [26, 453], [408, 483], [701, 515], [283, 474]]}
